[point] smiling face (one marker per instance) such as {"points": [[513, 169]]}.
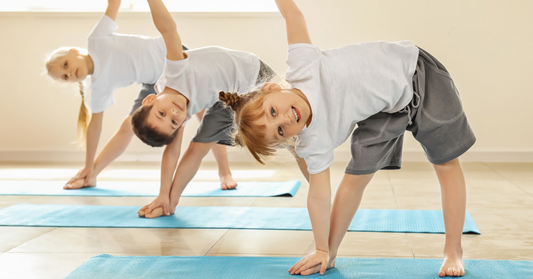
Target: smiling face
{"points": [[168, 113], [70, 67], [286, 113]]}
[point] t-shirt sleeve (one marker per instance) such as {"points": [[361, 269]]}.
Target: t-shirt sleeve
{"points": [[101, 100], [173, 75], [317, 163], [104, 27], [315, 149], [299, 59]]}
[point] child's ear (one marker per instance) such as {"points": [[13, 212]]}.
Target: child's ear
{"points": [[149, 100], [74, 50], [270, 87]]}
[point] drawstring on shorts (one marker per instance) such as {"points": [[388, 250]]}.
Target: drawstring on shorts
{"points": [[415, 103]]}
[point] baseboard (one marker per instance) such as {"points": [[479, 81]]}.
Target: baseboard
{"points": [[237, 155], [470, 156]]}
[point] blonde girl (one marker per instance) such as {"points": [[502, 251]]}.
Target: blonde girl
{"points": [[113, 61]]}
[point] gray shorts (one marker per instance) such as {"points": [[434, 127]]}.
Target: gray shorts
{"points": [[217, 123], [146, 89], [438, 123]]}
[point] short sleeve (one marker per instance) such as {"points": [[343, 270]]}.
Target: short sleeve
{"points": [[104, 27], [300, 57], [315, 148], [101, 100], [317, 163], [171, 74]]}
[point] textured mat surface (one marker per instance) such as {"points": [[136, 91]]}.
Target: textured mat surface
{"points": [[147, 188], [212, 217], [106, 266]]}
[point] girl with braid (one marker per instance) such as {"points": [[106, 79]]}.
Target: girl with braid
{"points": [[113, 61], [383, 88]]}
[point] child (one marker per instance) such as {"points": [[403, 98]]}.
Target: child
{"points": [[190, 83], [384, 88], [114, 61]]}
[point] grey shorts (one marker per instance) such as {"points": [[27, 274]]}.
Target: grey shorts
{"points": [[438, 123], [146, 89], [217, 123]]}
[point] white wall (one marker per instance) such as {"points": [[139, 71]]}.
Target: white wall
{"points": [[486, 45]]}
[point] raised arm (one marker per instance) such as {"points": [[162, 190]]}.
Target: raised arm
{"points": [[295, 22], [112, 9], [167, 27]]}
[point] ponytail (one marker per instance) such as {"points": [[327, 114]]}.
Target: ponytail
{"points": [[83, 119]]}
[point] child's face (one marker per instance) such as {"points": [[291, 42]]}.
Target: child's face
{"points": [[286, 113], [169, 111], [71, 67]]}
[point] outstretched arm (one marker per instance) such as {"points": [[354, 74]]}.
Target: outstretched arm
{"points": [[168, 166], [167, 27], [318, 205], [112, 9], [295, 22]]}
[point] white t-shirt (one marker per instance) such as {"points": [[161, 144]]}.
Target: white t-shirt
{"points": [[207, 71], [344, 86], [121, 60]]}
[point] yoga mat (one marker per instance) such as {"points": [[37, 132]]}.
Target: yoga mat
{"points": [[214, 217], [130, 267], [147, 189]]}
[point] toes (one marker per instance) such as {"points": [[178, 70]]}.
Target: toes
{"points": [[442, 273]]}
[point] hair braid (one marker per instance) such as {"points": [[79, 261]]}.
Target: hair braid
{"points": [[232, 100], [83, 119]]}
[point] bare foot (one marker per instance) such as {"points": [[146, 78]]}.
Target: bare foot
{"points": [[227, 182], [316, 268], [452, 266], [78, 184]]}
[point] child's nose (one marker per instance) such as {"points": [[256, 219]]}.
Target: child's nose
{"points": [[286, 119], [174, 111]]}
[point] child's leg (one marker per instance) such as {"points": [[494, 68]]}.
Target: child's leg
{"points": [[224, 172], [347, 201], [453, 191], [114, 148], [221, 156]]}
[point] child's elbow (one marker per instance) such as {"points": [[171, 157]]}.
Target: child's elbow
{"points": [[169, 29]]}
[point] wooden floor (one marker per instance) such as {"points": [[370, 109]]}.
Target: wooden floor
{"points": [[500, 199]]}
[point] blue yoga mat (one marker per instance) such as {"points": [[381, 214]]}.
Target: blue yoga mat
{"points": [[213, 217], [148, 189], [106, 266]]}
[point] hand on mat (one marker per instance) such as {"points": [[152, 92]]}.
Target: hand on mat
{"points": [[157, 208], [317, 268], [84, 178], [316, 260]]}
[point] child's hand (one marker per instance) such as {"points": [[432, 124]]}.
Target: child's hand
{"points": [[311, 261], [85, 175], [156, 208]]}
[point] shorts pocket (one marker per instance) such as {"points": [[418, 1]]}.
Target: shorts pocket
{"points": [[441, 102]]}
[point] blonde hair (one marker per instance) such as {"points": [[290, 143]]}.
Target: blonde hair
{"points": [[248, 110], [84, 114], [83, 119]]}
